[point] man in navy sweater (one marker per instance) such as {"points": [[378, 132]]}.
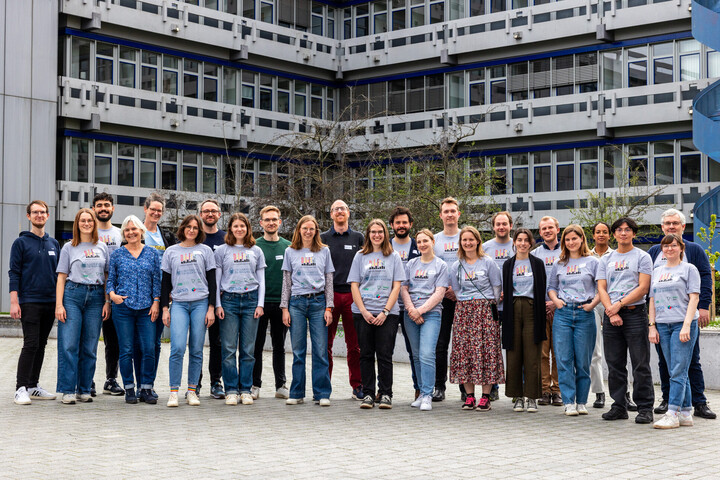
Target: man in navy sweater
{"points": [[673, 221], [33, 260]]}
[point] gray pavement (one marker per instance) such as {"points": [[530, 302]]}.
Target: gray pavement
{"points": [[269, 440]]}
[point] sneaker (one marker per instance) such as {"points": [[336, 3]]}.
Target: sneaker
{"points": [[703, 411], [630, 404], [368, 402], [39, 393], [426, 403], [246, 399], [192, 398], [130, 396], [111, 387], [418, 401], [519, 405], [172, 400], [385, 402], [255, 392], [84, 397], [556, 400], [22, 397], [581, 409], [357, 393], [68, 398], [615, 413], [217, 391], [231, 399], [545, 399], [644, 416], [599, 400], [324, 402], [662, 407], [531, 405], [571, 410], [93, 392], [667, 421], [294, 401], [154, 393], [438, 395], [281, 392], [469, 402], [147, 397], [483, 405], [495, 393], [685, 419]]}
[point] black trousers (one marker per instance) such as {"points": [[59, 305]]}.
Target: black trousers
{"points": [[376, 341], [443, 343], [37, 321], [695, 375], [215, 361], [112, 348], [278, 332], [631, 336]]}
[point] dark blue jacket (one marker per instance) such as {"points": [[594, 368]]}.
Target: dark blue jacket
{"points": [[695, 255], [33, 261]]}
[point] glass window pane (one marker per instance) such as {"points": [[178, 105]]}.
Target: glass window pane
{"points": [[209, 180], [190, 86], [664, 170], [248, 96], [637, 74], [588, 175], [713, 64], [398, 19], [78, 161], [106, 49], [149, 79], [417, 16], [613, 165], [147, 174], [169, 176], [300, 105], [638, 171], [210, 89], [477, 94], [380, 23], [103, 70], [690, 168], [126, 172], [689, 67], [230, 86], [283, 102], [265, 99], [612, 70], [542, 179], [80, 66], [103, 170], [685, 46], [663, 70], [498, 92], [457, 90], [170, 80], [519, 180], [437, 12], [189, 178], [713, 170], [565, 177], [663, 147]]}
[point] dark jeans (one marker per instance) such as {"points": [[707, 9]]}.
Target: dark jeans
{"points": [[408, 347], [278, 332], [695, 375], [376, 341], [132, 325], [112, 349], [443, 343], [631, 336], [215, 361], [37, 321], [137, 352]]}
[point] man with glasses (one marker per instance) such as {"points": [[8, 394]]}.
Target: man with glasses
{"points": [[673, 221], [33, 260], [214, 237], [344, 243]]}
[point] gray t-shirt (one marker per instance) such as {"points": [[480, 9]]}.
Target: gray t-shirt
{"points": [[376, 273], [660, 260], [188, 267], [239, 268], [403, 249], [424, 278], [308, 269], [549, 257], [85, 264], [112, 237], [670, 290], [475, 281], [523, 279], [499, 252], [574, 281], [446, 247], [622, 272]]}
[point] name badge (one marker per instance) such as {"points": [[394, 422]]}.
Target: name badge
{"points": [[278, 257], [348, 247], [197, 252], [51, 253]]}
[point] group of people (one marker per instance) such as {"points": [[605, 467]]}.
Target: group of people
{"points": [[557, 309]]}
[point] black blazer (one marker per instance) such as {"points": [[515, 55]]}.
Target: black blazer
{"points": [[539, 287]]}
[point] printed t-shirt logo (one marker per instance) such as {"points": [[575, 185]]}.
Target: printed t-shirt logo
{"points": [[665, 277], [307, 261], [502, 254], [521, 270], [573, 270], [470, 275], [550, 261], [376, 264], [620, 266], [187, 258], [106, 239], [449, 247], [241, 257], [403, 254], [421, 274], [90, 254]]}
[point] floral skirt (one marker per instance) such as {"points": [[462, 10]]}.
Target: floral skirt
{"points": [[476, 345]]}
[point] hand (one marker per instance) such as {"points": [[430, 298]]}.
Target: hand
{"points": [[328, 318], [549, 308], [653, 335], [450, 294], [685, 333], [286, 317], [587, 307], [220, 313], [166, 317], [15, 311], [117, 299], [557, 303], [259, 312], [154, 311], [60, 313], [502, 296], [616, 320], [106, 312], [369, 317], [419, 320], [614, 309], [704, 319], [413, 313], [210, 316], [380, 319]]}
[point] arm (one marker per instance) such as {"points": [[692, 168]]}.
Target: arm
{"points": [[329, 298], [638, 293], [392, 299], [432, 301], [218, 290], [702, 264], [165, 290], [357, 300], [212, 293], [156, 285], [106, 306], [653, 334], [689, 317], [615, 319], [260, 309], [15, 277], [59, 292], [285, 297]]}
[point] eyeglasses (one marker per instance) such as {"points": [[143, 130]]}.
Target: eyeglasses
{"points": [[155, 210], [623, 230], [339, 209], [210, 212], [38, 212], [672, 224], [270, 220]]}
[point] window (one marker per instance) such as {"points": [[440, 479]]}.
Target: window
{"points": [[456, 90], [80, 59], [210, 82], [613, 164], [664, 170], [209, 178], [104, 55], [396, 97], [126, 165], [169, 169], [170, 74], [266, 11], [316, 101], [588, 167], [103, 162], [543, 182], [498, 90], [612, 69], [638, 164], [662, 63], [713, 64], [415, 94], [689, 53], [689, 162], [148, 167], [637, 66], [361, 20], [456, 9], [477, 7], [520, 180], [190, 78], [437, 12], [283, 95], [380, 22], [189, 171], [417, 13], [149, 71], [266, 93], [300, 98], [434, 92], [566, 177], [78, 168], [230, 85], [398, 15], [126, 76]]}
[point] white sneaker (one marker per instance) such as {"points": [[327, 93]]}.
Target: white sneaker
{"points": [[68, 398], [667, 421], [231, 399], [282, 392], [570, 410], [22, 397], [255, 392], [294, 401], [39, 393], [417, 402], [519, 405], [173, 399], [84, 398], [685, 419], [324, 402], [192, 398], [426, 403], [582, 409], [246, 398]]}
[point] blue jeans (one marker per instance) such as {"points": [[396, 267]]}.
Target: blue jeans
{"points": [[78, 337], [129, 324], [307, 313], [157, 342], [573, 339], [678, 355], [423, 339], [239, 325], [187, 317]]}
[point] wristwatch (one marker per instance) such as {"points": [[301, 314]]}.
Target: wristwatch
{"points": [[386, 311], [651, 324]]}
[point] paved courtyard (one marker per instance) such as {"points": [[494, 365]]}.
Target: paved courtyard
{"points": [[269, 440]]}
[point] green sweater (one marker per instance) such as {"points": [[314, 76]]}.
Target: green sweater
{"points": [[274, 253]]}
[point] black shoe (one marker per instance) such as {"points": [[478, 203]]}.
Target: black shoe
{"points": [[368, 402], [615, 413], [630, 404], [703, 411], [385, 402], [463, 396], [545, 399], [644, 416], [438, 395], [93, 392], [556, 400], [494, 393], [147, 397], [217, 390], [599, 400], [152, 392], [130, 396], [111, 387], [662, 408]]}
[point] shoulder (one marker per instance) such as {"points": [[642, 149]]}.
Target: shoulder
{"points": [[641, 253]]}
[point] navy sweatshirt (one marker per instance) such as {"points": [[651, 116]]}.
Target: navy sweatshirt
{"points": [[695, 255], [33, 261]]}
